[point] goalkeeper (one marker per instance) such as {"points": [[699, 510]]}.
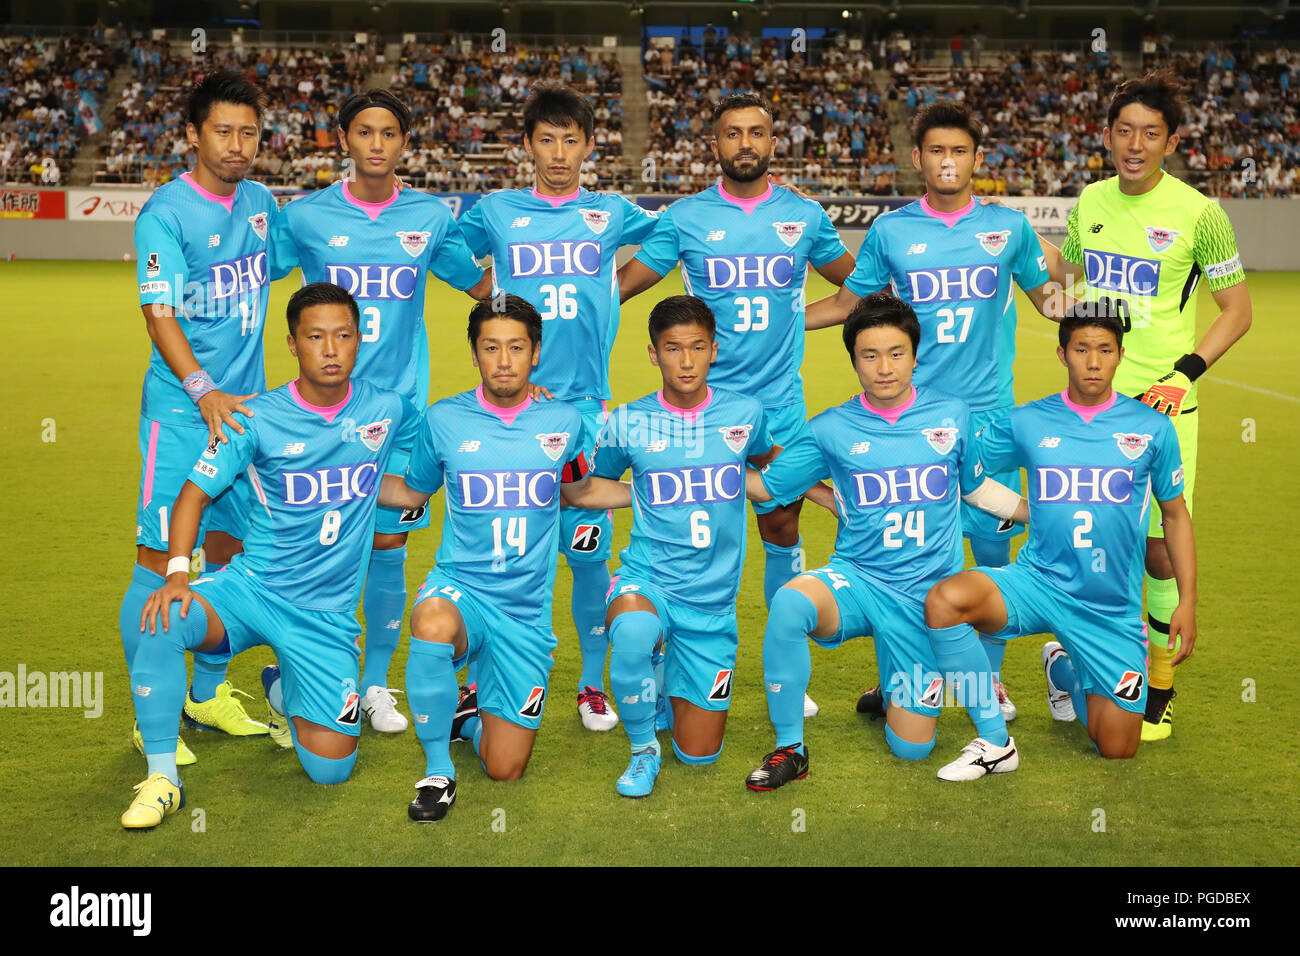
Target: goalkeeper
{"points": [[1147, 238]]}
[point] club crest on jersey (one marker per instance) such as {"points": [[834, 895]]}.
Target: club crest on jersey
{"points": [[1160, 239], [533, 705], [994, 242], [1130, 686], [373, 435], [789, 232], [596, 219], [1131, 445], [721, 686], [258, 222], [413, 243], [351, 712], [554, 445], [941, 440], [736, 436]]}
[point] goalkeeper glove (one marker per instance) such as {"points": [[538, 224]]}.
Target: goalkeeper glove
{"points": [[1168, 393]]}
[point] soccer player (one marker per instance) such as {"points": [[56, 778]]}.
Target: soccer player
{"points": [[201, 251], [554, 245], [1147, 238], [901, 458], [377, 241], [505, 462], [744, 248], [317, 447], [687, 445], [1094, 459], [954, 261]]}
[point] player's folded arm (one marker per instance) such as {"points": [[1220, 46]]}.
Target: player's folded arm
{"points": [[596, 494], [998, 500], [394, 492]]}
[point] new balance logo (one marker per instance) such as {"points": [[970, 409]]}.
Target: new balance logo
{"points": [[295, 448], [658, 444], [337, 242], [1049, 442], [214, 240], [860, 448], [521, 222], [716, 235], [916, 248], [394, 625], [1095, 227], [468, 446]]}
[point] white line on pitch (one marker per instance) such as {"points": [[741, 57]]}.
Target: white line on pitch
{"points": [[1209, 378]]}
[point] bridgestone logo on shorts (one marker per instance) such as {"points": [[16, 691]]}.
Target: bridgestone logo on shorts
{"points": [[533, 706], [351, 711], [1129, 687], [721, 686], [586, 538]]}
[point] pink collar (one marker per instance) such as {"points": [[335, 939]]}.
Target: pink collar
{"points": [[690, 414], [949, 219], [325, 413], [371, 209], [746, 204], [227, 201], [1088, 412], [890, 415], [507, 415], [557, 201]]}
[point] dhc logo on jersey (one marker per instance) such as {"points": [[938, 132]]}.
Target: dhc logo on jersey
{"points": [[953, 283], [699, 485], [568, 257], [1127, 274], [375, 280], [482, 490], [328, 486], [909, 485], [1085, 485], [749, 272], [245, 274]]}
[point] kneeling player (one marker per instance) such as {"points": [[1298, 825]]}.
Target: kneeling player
{"points": [[687, 446], [316, 448], [1094, 459], [898, 456], [502, 458]]}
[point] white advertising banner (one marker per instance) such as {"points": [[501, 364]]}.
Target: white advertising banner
{"points": [[106, 205]]}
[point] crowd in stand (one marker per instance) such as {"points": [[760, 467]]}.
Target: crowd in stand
{"points": [[49, 95], [1043, 111], [830, 130]]}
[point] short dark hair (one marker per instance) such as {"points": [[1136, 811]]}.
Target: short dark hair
{"points": [[383, 99], [1083, 317], [680, 310], [877, 310], [505, 307], [559, 106], [1158, 90], [319, 293], [740, 101], [223, 86], [945, 114]]}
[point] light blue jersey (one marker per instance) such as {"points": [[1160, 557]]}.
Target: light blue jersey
{"points": [[898, 484], [381, 261], [210, 265], [750, 267], [315, 479], [1090, 485], [958, 281], [688, 491], [502, 469], [560, 257]]}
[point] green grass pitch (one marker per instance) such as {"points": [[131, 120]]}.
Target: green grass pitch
{"points": [[1221, 791]]}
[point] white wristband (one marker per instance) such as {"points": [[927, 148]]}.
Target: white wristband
{"points": [[178, 563]]}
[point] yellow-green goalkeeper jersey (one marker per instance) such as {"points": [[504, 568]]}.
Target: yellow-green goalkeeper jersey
{"points": [[1151, 250]]}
